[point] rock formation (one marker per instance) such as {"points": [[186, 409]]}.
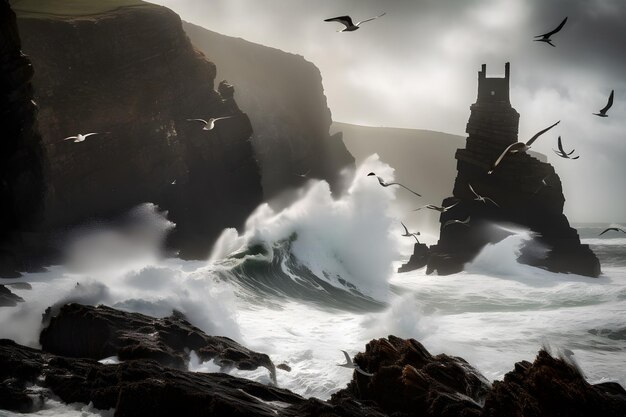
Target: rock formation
{"points": [[284, 97], [132, 74], [418, 259], [7, 298], [21, 165], [516, 186]]}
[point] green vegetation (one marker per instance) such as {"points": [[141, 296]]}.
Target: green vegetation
{"points": [[69, 8]]}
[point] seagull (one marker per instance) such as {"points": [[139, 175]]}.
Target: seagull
{"points": [[352, 365], [561, 152], [614, 229], [384, 184], [347, 22], [80, 137], [305, 175], [173, 182], [480, 197], [544, 183], [607, 107], [407, 234], [455, 221], [211, 123], [519, 147], [437, 208], [546, 36]]}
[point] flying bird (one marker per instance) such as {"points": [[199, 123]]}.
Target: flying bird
{"points": [[305, 175], [612, 229], [352, 365], [437, 208], [561, 152], [347, 22], [80, 137], [519, 147], [384, 184], [210, 124], [455, 221], [607, 107], [408, 234], [546, 36], [480, 197], [544, 183]]}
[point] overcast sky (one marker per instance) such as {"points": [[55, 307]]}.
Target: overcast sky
{"points": [[417, 67]]}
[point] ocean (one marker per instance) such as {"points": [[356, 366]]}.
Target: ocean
{"points": [[318, 277]]}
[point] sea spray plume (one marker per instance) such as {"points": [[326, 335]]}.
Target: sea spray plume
{"points": [[340, 240]]}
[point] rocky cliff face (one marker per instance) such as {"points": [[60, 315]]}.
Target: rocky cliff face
{"points": [[21, 170], [284, 97], [516, 185], [132, 75]]}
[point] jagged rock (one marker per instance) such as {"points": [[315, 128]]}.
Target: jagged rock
{"points": [[21, 177], [409, 381], [139, 86], [7, 298], [418, 260], [80, 331], [516, 186], [551, 387], [284, 97]]}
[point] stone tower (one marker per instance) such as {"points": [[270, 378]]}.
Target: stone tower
{"points": [[517, 188]]}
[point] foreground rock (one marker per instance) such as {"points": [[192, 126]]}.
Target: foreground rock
{"points": [[7, 298], [515, 185], [80, 331]]}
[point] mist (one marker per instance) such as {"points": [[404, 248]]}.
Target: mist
{"points": [[416, 68]]}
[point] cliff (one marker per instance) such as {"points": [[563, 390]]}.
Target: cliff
{"points": [[516, 186], [127, 70], [284, 97], [21, 162]]}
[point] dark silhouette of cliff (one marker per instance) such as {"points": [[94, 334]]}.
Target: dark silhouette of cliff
{"points": [[21, 165], [516, 185], [132, 74]]}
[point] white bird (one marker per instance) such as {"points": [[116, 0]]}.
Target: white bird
{"points": [[210, 124], [407, 234], [347, 22], [352, 365], [455, 221], [519, 147], [480, 197], [546, 36], [607, 107], [80, 137], [384, 184], [173, 182], [305, 175], [437, 208]]}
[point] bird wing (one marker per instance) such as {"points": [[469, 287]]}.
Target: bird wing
{"points": [[449, 207], [423, 207], [90, 134], [502, 155], [608, 230], [466, 221], [541, 132], [344, 20], [198, 120], [221, 118], [71, 137], [406, 188], [348, 358], [472, 190], [362, 372], [558, 28], [487, 198], [574, 157], [371, 18], [560, 145], [405, 229], [415, 238], [609, 103]]}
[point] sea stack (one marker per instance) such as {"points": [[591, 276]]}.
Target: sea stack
{"points": [[517, 187]]}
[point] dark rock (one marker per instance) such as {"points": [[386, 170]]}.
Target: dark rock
{"points": [[516, 185], [284, 97], [21, 166], [20, 285], [7, 298], [551, 387], [284, 367], [80, 331], [419, 259], [133, 73], [409, 381]]}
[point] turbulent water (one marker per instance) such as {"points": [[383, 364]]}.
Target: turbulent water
{"points": [[318, 276]]}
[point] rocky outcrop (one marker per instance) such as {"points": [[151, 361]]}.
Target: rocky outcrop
{"points": [[21, 165], [516, 185], [284, 97], [7, 298], [418, 259], [132, 75], [79, 331]]}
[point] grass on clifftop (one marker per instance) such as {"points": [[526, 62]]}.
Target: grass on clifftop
{"points": [[69, 8]]}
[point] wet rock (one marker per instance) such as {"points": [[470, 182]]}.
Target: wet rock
{"points": [[515, 185], [7, 298], [80, 331], [418, 259]]}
